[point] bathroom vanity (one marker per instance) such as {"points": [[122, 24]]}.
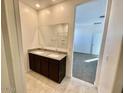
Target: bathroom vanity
{"points": [[51, 64], [50, 60]]}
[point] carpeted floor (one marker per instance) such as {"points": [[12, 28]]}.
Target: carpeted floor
{"points": [[84, 70]]}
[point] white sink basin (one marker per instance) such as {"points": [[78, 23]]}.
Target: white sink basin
{"points": [[53, 55], [39, 52]]}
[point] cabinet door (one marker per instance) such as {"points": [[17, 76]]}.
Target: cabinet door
{"points": [[37, 63], [62, 69], [31, 61], [54, 70], [44, 66]]}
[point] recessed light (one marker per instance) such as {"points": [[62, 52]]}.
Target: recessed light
{"points": [[53, 0], [37, 5]]}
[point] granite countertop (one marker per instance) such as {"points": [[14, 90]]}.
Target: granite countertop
{"points": [[48, 53]]}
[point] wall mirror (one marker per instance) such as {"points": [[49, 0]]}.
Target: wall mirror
{"points": [[54, 37]]}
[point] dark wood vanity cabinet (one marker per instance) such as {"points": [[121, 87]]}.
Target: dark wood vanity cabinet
{"points": [[51, 68]]}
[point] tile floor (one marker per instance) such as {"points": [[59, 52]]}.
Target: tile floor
{"points": [[39, 84], [84, 70]]}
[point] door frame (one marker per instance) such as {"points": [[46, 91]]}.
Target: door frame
{"points": [[99, 64], [11, 32]]}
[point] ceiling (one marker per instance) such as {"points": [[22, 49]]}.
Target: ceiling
{"points": [[86, 13], [43, 3], [89, 13]]}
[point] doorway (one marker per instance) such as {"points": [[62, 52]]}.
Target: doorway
{"points": [[88, 33]]}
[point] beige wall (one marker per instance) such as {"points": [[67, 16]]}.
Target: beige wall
{"points": [[29, 30], [112, 49]]}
